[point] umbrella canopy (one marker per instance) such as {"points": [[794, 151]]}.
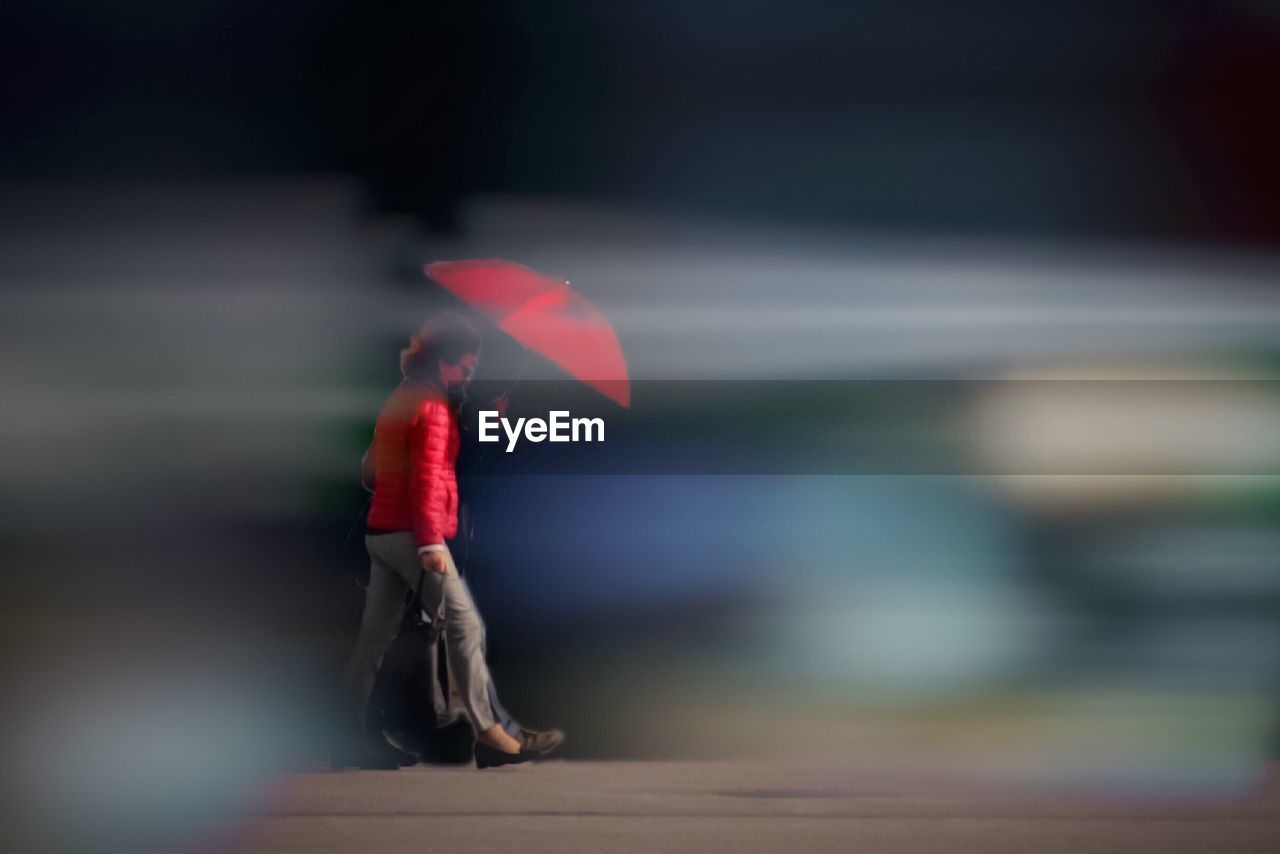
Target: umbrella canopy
{"points": [[545, 315]]}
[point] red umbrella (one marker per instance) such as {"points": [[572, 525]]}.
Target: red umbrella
{"points": [[545, 315]]}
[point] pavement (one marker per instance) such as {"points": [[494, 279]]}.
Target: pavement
{"points": [[730, 806]]}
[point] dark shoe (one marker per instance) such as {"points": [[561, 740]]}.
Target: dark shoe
{"points": [[492, 757], [449, 745], [452, 719], [541, 742], [402, 758]]}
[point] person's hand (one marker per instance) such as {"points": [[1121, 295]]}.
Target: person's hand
{"points": [[434, 561]]}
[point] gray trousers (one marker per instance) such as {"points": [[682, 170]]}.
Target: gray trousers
{"points": [[394, 570]]}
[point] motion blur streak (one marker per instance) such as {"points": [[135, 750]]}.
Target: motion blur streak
{"points": [[1056, 568], [190, 377]]}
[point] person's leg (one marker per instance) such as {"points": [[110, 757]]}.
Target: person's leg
{"points": [[542, 742], [447, 595], [464, 644], [500, 713], [448, 698], [383, 610]]}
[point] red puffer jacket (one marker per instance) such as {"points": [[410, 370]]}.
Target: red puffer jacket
{"points": [[415, 447]]}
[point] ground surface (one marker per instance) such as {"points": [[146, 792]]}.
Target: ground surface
{"points": [[729, 807]]}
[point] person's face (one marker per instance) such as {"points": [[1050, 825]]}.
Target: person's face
{"points": [[460, 372]]}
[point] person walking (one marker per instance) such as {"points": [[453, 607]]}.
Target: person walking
{"points": [[413, 513]]}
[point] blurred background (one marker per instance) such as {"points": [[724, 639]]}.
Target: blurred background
{"points": [[1049, 231]]}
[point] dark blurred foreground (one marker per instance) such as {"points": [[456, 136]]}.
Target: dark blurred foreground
{"points": [[1040, 558]]}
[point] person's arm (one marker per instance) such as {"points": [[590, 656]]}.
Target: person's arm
{"points": [[429, 441]]}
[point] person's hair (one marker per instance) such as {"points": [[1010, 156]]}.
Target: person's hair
{"points": [[448, 336]]}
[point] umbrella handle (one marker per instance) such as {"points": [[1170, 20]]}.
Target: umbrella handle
{"points": [[528, 354]]}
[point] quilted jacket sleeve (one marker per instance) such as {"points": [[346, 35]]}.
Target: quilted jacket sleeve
{"points": [[429, 468]]}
